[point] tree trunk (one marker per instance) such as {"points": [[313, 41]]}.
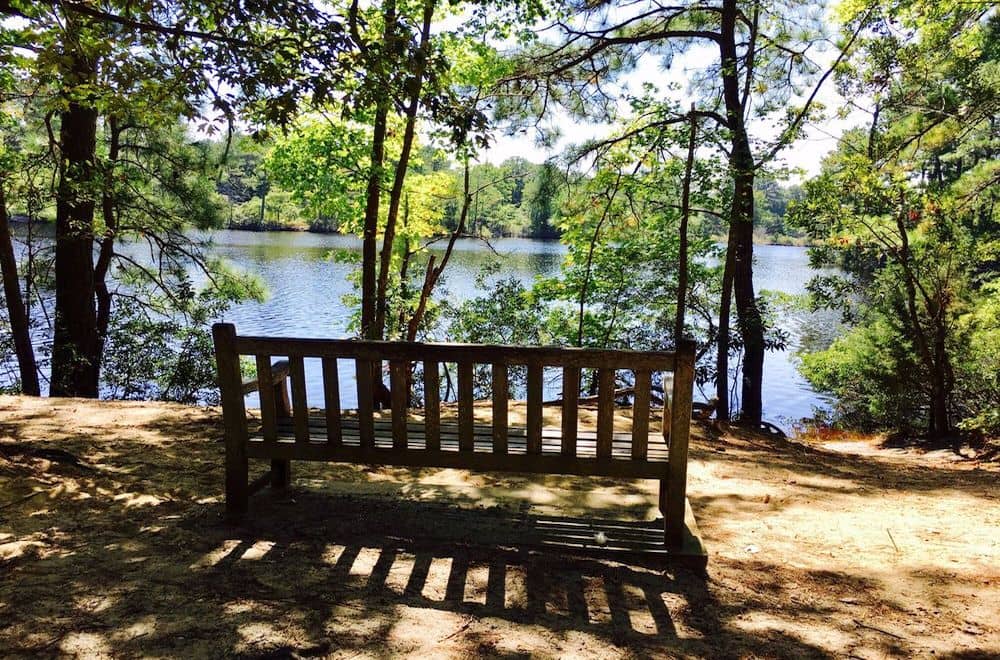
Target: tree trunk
{"points": [[16, 311], [682, 258], [741, 218], [932, 353], [369, 250], [940, 382], [370, 329], [751, 324], [75, 362]]}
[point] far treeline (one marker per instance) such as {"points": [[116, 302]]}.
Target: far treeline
{"points": [[376, 120], [264, 190]]}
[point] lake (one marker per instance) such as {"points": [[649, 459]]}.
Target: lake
{"points": [[306, 287]]}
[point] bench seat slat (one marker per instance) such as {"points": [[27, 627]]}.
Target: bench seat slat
{"points": [[485, 460], [621, 448]]}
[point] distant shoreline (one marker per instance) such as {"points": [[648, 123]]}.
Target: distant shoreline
{"points": [[21, 219]]}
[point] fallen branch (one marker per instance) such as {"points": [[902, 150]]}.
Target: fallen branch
{"points": [[892, 539], [654, 395], [22, 499], [877, 629], [461, 629]]}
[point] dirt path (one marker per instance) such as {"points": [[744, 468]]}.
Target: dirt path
{"points": [[814, 553]]}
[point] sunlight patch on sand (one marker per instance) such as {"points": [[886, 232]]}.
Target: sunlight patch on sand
{"points": [[364, 562], [85, 645], [332, 553], [817, 634], [257, 550], [144, 626]]}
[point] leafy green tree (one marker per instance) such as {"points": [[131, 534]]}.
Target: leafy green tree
{"points": [[544, 200], [908, 208], [114, 62]]}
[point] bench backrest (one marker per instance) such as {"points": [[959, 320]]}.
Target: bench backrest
{"points": [[368, 358]]}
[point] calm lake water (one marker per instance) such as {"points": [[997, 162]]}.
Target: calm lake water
{"points": [[306, 287]]}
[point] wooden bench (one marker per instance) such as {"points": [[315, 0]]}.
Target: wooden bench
{"points": [[290, 430]]}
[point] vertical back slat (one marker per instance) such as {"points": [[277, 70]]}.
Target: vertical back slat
{"points": [[534, 412], [640, 414], [668, 396], [331, 397], [398, 380], [432, 405], [605, 411], [466, 429], [300, 408], [265, 390], [500, 395], [570, 406], [366, 405]]}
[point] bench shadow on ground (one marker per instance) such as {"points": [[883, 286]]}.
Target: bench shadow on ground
{"points": [[311, 572], [335, 556]]}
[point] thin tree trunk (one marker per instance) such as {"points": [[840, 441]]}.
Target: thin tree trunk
{"points": [[399, 176], [933, 355], [369, 249], [941, 425], [16, 311], [722, 412], [433, 274], [582, 303], [75, 364], [682, 266], [107, 242]]}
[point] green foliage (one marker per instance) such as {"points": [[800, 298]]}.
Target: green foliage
{"points": [[324, 164], [977, 397], [873, 374], [508, 314], [167, 358], [908, 209]]}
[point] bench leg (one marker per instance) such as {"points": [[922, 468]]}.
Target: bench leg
{"points": [[281, 473], [663, 498]]}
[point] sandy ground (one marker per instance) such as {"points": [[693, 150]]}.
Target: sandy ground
{"points": [[838, 551]]}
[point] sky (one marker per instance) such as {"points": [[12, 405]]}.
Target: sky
{"points": [[805, 155]]}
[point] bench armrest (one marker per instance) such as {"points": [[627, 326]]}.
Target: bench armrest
{"points": [[279, 372]]}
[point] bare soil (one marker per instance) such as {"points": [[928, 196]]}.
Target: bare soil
{"points": [[113, 544]]}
